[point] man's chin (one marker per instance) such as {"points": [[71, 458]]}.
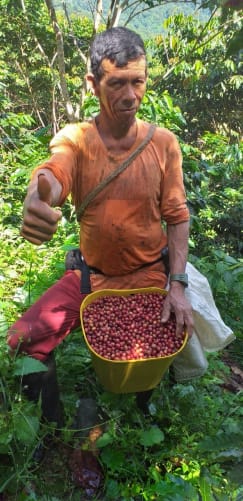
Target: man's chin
{"points": [[127, 116]]}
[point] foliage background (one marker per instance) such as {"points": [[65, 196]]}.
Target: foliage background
{"points": [[190, 446]]}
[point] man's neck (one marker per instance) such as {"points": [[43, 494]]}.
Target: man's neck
{"points": [[117, 139]]}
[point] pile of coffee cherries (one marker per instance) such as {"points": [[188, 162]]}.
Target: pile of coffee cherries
{"points": [[129, 327]]}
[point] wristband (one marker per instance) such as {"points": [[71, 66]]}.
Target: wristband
{"points": [[180, 277]]}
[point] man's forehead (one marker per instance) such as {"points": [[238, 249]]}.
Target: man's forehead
{"points": [[135, 65]]}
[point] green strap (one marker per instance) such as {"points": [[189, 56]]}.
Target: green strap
{"points": [[115, 173]]}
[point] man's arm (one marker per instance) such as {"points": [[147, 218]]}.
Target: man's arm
{"points": [[178, 235], [176, 300], [40, 220]]}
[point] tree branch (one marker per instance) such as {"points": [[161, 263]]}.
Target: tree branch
{"points": [[125, 5], [35, 105], [61, 61], [74, 38], [98, 15], [46, 59], [220, 30], [117, 7]]}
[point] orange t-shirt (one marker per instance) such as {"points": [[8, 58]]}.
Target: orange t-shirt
{"points": [[121, 228]]}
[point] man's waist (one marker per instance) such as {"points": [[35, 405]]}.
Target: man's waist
{"points": [[94, 270], [75, 260]]}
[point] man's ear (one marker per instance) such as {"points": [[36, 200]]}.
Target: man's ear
{"points": [[91, 83]]}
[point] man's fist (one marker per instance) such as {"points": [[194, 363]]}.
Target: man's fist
{"points": [[40, 220]]}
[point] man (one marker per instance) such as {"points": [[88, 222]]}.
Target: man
{"points": [[121, 235]]}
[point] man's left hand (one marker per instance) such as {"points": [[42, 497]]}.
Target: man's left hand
{"points": [[177, 303]]}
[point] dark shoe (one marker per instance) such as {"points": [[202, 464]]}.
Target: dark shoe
{"points": [[171, 376], [142, 399], [52, 408], [45, 385], [32, 385]]}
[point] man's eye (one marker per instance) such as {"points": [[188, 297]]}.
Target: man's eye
{"points": [[116, 85]]}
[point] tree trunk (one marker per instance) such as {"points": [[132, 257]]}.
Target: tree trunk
{"points": [[61, 62], [116, 9], [98, 15]]}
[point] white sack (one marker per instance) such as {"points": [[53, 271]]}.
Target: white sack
{"points": [[191, 363], [210, 331]]}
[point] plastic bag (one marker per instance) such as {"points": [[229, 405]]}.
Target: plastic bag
{"points": [[210, 331]]}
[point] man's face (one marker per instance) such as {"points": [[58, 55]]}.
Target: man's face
{"points": [[120, 90]]}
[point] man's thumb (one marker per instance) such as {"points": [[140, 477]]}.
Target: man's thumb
{"points": [[44, 189]]}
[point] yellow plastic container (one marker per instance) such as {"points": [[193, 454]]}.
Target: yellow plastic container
{"points": [[127, 376]]}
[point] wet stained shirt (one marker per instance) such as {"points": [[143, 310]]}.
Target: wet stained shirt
{"points": [[121, 228]]}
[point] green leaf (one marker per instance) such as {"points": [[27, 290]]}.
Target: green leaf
{"points": [[175, 489], [3, 324], [5, 439], [235, 44], [28, 365], [113, 459], [104, 440], [205, 489], [26, 428], [113, 489], [151, 437]]}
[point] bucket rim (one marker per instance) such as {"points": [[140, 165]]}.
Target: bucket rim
{"points": [[121, 292]]}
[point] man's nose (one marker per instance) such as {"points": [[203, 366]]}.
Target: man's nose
{"points": [[129, 94]]}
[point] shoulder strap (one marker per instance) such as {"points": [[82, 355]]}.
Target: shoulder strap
{"points": [[92, 194]]}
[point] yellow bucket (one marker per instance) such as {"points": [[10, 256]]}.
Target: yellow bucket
{"points": [[127, 376]]}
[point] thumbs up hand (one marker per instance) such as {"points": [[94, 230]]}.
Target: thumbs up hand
{"points": [[40, 220]]}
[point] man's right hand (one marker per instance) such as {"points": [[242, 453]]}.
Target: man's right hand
{"points": [[40, 220]]}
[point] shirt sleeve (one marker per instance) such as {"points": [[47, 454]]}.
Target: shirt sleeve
{"points": [[174, 208], [64, 149]]}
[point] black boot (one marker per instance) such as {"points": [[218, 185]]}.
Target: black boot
{"points": [[32, 385], [52, 409], [142, 399], [46, 385]]}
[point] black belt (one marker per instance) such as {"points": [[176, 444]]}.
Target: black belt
{"points": [[77, 261]]}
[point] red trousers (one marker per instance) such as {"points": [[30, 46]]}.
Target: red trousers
{"points": [[48, 321], [52, 317]]}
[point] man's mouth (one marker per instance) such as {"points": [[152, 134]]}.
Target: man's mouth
{"points": [[127, 110]]}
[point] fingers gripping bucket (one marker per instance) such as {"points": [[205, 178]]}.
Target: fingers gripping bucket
{"points": [[127, 376]]}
